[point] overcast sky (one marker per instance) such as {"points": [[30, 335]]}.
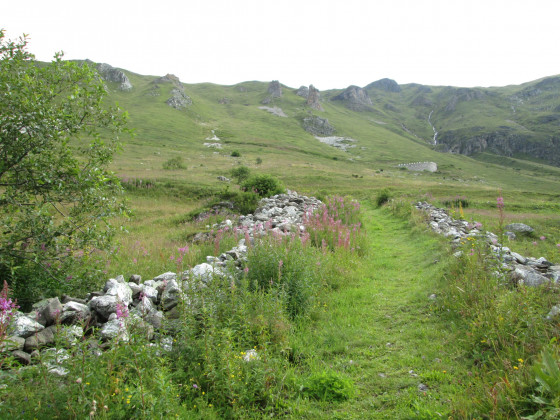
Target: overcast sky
{"points": [[328, 43]]}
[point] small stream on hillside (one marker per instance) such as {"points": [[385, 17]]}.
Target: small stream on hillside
{"points": [[433, 128]]}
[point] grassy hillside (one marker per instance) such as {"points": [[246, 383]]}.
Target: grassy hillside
{"points": [[232, 114]]}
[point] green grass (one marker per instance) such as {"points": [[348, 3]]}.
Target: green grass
{"points": [[380, 330]]}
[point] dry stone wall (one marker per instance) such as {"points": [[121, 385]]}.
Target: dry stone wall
{"points": [[145, 304], [517, 268]]}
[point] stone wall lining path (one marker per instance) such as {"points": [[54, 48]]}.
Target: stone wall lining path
{"points": [[146, 303], [521, 270]]}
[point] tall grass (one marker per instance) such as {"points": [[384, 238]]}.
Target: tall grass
{"points": [[506, 328]]}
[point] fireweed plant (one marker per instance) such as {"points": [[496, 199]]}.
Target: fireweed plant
{"points": [[336, 225]]}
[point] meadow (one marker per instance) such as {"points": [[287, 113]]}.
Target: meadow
{"points": [[314, 331]]}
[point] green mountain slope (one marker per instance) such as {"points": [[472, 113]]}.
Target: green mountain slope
{"points": [[394, 128], [514, 121]]}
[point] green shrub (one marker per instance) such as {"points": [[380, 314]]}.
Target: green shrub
{"points": [[235, 153], [263, 185], [174, 163], [241, 173], [329, 386], [258, 161], [383, 197]]}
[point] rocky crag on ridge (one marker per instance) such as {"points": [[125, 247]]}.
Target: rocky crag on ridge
{"points": [[179, 99], [274, 91], [111, 74], [355, 98]]}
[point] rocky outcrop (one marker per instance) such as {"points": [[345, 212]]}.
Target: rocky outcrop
{"points": [[274, 91], [387, 85], [318, 126], [111, 74], [303, 91], [355, 98], [504, 141], [516, 268], [179, 99], [313, 99]]}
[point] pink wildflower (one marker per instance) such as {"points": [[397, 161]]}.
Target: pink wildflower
{"points": [[542, 238], [122, 310], [500, 202]]}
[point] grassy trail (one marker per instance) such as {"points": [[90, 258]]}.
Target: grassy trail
{"points": [[381, 331]]}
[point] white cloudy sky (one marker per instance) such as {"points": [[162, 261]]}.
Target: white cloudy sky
{"points": [[329, 43]]}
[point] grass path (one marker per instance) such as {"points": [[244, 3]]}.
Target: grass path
{"points": [[381, 331]]}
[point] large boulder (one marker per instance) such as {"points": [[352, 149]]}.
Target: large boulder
{"points": [[520, 228], [40, 339], [318, 126], [23, 326], [47, 311], [104, 305], [74, 312]]}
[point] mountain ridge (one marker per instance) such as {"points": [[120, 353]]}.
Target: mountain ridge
{"points": [[516, 121]]}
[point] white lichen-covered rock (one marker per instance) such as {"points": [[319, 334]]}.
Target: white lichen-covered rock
{"points": [[554, 312], [70, 335], [23, 326], [519, 228], [170, 275], [122, 292], [528, 277], [171, 295], [47, 311], [55, 360], [204, 272], [114, 329], [74, 312], [104, 305]]}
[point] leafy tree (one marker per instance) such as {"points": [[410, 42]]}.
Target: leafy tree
{"points": [[174, 163], [56, 195], [264, 185], [241, 173]]}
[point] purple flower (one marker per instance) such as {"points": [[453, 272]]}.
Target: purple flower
{"points": [[122, 310], [500, 202], [195, 386], [542, 238]]}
